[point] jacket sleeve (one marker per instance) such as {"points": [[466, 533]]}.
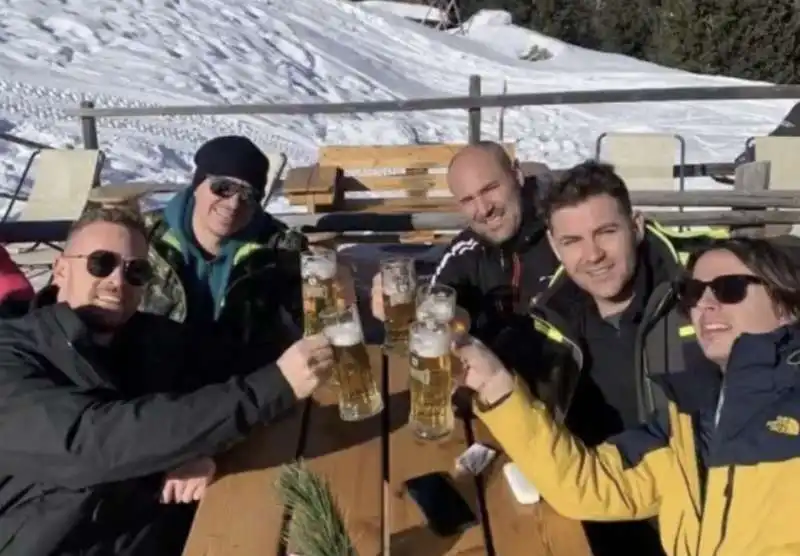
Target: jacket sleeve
{"points": [[53, 432], [618, 480], [457, 269]]}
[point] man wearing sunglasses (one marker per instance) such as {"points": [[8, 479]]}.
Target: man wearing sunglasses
{"points": [[718, 466], [104, 416], [222, 265], [601, 319]]}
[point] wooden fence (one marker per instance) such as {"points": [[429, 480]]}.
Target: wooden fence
{"points": [[754, 207]]}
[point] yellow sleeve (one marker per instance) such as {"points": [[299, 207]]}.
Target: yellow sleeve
{"points": [[614, 481]]}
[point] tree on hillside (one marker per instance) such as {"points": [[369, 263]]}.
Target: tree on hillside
{"points": [[758, 40], [683, 33], [568, 20], [626, 26], [751, 39]]}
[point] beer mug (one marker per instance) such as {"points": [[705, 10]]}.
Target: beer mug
{"points": [[436, 302], [318, 272], [399, 284], [430, 379], [359, 397]]}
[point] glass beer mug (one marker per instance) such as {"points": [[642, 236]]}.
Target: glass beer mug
{"points": [[359, 397], [399, 285], [431, 379], [318, 272], [436, 302]]}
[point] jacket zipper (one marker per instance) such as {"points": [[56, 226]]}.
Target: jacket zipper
{"points": [[727, 509], [727, 493]]}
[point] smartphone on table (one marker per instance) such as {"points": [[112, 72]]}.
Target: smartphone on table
{"points": [[445, 510]]}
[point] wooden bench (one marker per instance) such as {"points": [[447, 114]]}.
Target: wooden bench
{"points": [[399, 178], [366, 465], [407, 178]]}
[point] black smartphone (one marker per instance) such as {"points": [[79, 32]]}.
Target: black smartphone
{"points": [[445, 510]]}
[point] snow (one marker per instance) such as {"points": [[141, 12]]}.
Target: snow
{"points": [[149, 52], [417, 12]]}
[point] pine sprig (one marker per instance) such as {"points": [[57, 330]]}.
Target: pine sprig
{"points": [[317, 527]]}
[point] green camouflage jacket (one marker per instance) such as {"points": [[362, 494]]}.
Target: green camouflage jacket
{"points": [[263, 302]]}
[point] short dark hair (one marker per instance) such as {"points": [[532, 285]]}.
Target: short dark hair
{"points": [[775, 264], [122, 216], [579, 183]]}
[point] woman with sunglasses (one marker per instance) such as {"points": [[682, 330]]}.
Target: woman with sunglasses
{"points": [[721, 468]]}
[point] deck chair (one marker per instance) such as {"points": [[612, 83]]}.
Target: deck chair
{"points": [[783, 153], [63, 179], [277, 164], [644, 160]]}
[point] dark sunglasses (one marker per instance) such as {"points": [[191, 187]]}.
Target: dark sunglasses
{"points": [[226, 188], [728, 289], [101, 264]]}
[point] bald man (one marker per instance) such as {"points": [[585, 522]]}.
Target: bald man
{"points": [[103, 419], [503, 259]]}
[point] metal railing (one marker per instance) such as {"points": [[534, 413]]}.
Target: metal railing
{"points": [[88, 115]]}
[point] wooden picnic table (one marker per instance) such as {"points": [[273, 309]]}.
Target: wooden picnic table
{"points": [[366, 464]]}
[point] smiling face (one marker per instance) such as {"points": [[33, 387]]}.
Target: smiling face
{"points": [[487, 194], [729, 300], [223, 206], [596, 242], [91, 276]]}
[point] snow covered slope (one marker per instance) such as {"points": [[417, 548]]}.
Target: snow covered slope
{"points": [[141, 52]]}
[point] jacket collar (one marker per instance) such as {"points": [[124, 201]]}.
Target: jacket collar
{"points": [[759, 364]]}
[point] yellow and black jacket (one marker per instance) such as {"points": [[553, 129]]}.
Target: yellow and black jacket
{"points": [[722, 479], [562, 355]]}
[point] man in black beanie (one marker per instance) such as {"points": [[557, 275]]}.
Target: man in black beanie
{"points": [[222, 265]]}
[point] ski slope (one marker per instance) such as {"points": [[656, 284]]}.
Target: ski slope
{"points": [[148, 52]]}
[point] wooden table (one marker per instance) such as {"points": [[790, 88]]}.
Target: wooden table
{"points": [[366, 464]]}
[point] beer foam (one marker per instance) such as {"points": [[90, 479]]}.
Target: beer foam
{"points": [[431, 309], [430, 343], [322, 269], [344, 334]]}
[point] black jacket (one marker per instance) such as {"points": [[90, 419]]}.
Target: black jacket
{"points": [[86, 433], [496, 283]]}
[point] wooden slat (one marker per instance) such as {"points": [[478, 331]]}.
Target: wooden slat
{"points": [[520, 530], [392, 156], [410, 457], [395, 182], [405, 204], [240, 514], [349, 456], [310, 179]]}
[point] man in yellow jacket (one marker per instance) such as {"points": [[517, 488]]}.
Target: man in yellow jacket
{"points": [[720, 467]]}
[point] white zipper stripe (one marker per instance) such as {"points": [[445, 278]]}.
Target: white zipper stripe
{"points": [[458, 248]]}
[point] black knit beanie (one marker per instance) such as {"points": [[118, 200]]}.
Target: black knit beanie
{"points": [[232, 156]]}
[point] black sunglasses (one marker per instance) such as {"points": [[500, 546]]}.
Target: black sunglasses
{"points": [[227, 187], [101, 263], [728, 289]]}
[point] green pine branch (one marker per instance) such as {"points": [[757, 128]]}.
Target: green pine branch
{"points": [[317, 527]]}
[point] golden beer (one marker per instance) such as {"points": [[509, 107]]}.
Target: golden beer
{"points": [[359, 397], [431, 379], [318, 271], [399, 280]]}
